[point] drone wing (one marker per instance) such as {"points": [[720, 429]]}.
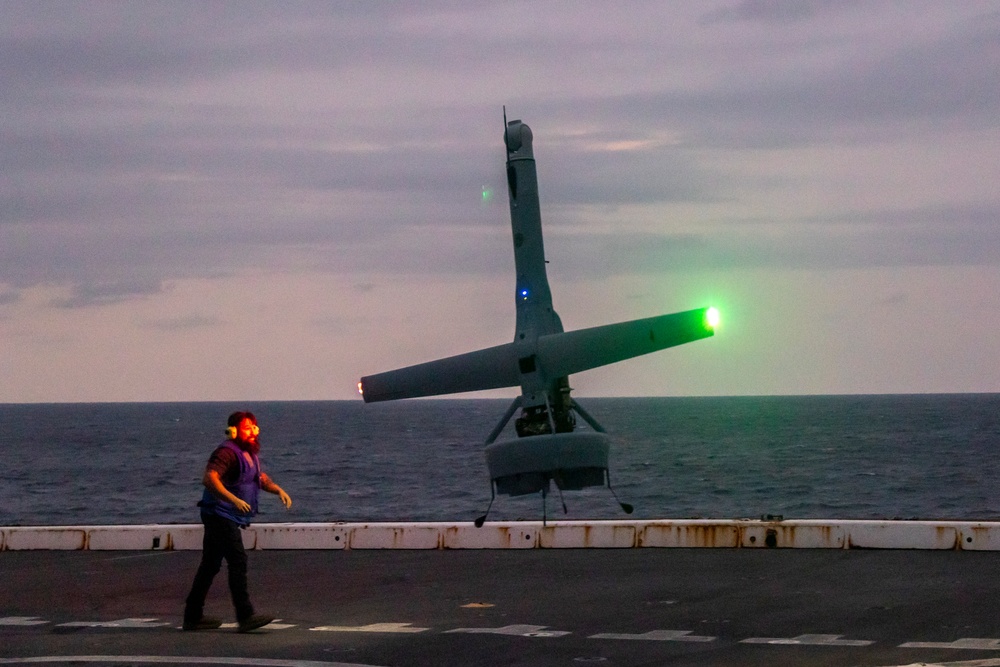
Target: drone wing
{"points": [[555, 355], [575, 351], [490, 368]]}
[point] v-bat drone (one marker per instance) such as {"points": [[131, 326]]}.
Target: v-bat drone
{"points": [[547, 447]]}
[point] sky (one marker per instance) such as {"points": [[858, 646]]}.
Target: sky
{"points": [[225, 201]]}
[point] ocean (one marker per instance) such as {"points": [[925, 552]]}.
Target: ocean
{"points": [[850, 457]]}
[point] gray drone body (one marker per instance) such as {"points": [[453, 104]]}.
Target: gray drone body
{"points": [[539, 360]]}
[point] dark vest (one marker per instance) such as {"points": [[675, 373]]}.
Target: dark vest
{"points": [[246, 488]]}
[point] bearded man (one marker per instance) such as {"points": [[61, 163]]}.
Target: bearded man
{"points": [[232, 480]]}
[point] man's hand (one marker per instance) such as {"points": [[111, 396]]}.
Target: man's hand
{"points": [[241, 506], [286, 500], [213, 483], [268, 485]]}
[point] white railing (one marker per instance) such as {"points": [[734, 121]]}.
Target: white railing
{"points": [[692, 533]]}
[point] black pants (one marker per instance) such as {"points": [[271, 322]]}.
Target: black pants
{"points": [[222, 541]]}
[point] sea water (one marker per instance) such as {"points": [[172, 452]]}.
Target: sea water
{"points": [[866, 457]]}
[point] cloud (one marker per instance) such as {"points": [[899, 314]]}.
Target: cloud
{"points": [[162, 163], [146, 143], [774, 11], [183, 323], [9, 296], [922, 237], [90, 294], [942, 85]]}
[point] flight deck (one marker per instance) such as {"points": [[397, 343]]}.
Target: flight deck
{"points": [[367, 603]]}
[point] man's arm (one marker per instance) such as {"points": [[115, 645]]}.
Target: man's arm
{"points": [[268, 485]]}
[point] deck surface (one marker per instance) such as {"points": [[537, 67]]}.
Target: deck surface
{"points": [[766, 607]]}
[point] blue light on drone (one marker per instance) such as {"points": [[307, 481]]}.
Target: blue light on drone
{"points": [[524, 295]]}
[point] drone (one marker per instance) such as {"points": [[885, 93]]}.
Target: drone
{"points": [[547, 448]]}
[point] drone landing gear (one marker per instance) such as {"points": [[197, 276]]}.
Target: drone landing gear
{"points": [[480, 520], [545, 490], [547, 451], [626, 507]]}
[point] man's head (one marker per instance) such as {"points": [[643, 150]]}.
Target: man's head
{"points": [[245, 424]]}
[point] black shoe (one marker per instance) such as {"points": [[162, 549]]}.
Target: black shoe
{"points": [[203, 623], [254, 622]]}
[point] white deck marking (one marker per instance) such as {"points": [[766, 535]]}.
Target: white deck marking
{"points": [[657, 636], [975, 643], [276, 624], [179, 660], [515, 630], [808, 640], [145, 555], [372, 627], [989, 662], [121, 623], [21, 620]]}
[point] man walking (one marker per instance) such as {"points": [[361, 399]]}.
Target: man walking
{"points": [[232, 480]]}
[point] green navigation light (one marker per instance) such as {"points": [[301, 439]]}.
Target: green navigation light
{"points": [[487, 194], [712, 317]]}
